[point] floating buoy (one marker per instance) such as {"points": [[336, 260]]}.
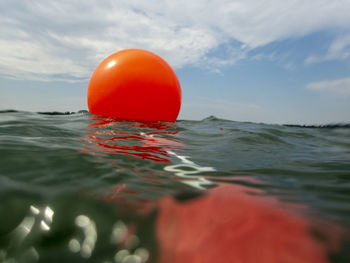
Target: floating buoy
{"points": [[135, 84]]}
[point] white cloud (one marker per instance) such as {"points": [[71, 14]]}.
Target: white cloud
{"points": [[339, 49], [67, 39], [338, 86]]}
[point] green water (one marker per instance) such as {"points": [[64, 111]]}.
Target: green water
{"points": [[75, 178]]}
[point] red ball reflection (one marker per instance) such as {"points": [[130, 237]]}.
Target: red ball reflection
{"points": [[143, 139]]}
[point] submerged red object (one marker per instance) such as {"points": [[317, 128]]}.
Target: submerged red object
{"points": [[229, 225], [135, 84]]}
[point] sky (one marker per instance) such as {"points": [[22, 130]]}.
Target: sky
{"points": [[270, 61]]}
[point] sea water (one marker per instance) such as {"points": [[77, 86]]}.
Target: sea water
{"points": [[76, 187]]}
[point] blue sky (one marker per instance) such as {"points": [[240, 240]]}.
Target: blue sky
{"points": [[266, 61]]}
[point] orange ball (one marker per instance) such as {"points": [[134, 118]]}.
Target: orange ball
{"points": [[135, 84]]}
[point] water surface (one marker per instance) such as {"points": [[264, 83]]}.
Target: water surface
{"points": [[85, 188]]}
